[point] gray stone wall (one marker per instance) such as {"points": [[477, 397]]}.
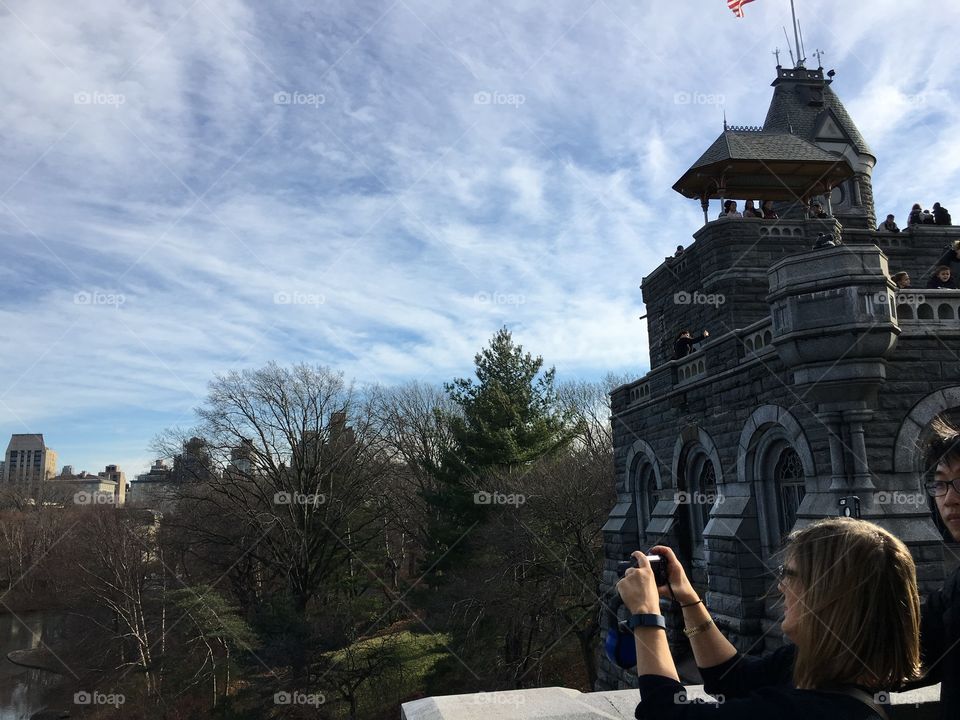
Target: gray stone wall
{"points": [[744, 390]]}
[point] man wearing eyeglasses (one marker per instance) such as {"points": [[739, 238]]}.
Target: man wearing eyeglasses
{"points": [[940, 624]]}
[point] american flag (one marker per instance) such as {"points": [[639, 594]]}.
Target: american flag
{"points": [[737, 6]]}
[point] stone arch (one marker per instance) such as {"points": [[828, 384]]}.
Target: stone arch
{"points": [[693, 451], [766, 415], [641, 456], [906, 458], [643, 448], [769, 434], [693, 437]]}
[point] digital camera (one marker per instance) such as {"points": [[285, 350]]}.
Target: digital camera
{"points": [[657, 564]]}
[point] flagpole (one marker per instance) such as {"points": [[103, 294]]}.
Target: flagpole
{"points": [[796, 36]]}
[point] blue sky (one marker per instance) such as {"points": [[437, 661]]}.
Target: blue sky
{"points": [[189, 187]]}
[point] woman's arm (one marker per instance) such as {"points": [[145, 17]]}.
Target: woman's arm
{"points": [[710, 647], [639, 592], [653, 653]]}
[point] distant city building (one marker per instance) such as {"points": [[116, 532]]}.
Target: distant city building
{"points": [[108, 486], [152, 488], [156, 489], [28, 460], [194, 463], [241, 459]]}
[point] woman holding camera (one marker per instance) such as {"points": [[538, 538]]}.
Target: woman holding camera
{"points": [[851, 611]]}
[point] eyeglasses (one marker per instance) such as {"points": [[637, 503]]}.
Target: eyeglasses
{"points": [[938, 488], [783, 572]]}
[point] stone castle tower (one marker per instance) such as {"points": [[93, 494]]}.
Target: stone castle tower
{"points": [[817, 383]]}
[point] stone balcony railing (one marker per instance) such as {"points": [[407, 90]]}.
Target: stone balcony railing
{"points": [[725, 352], [920, 311], [557, 703]]}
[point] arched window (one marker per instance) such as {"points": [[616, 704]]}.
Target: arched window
{"points": [[707, 485], [647, 496], [777, 468], [699, 496], [790, 489]]}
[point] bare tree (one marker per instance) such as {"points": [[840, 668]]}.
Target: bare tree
{"points": [[291, 467], [416, 436]]}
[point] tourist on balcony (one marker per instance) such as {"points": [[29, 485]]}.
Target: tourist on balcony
{"points": [[915, 215], [768, 211], [902, 280], [941, 215], [679, 251], [926, 218], [851, 612], [815, 211], [730, 209], [749, 211], [951, 258], [939, 630], [888, 225], [941, 279], [684, 343]]}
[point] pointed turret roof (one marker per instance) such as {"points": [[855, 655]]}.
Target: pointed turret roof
{"points": [[805, 105]]}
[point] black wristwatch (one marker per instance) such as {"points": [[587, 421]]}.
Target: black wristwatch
{"points": [[648, 620]]}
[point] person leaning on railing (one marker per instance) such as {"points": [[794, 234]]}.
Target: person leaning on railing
{"points": [[851, 612]]}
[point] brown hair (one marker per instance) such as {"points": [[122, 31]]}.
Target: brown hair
{"points": [[859, 607], [943, 445]]}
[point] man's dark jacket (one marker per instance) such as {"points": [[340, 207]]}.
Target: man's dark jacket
{"points": [[940, 636]]}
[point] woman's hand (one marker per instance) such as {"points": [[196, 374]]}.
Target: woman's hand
{"points": [[638, 588], [682, 589]]}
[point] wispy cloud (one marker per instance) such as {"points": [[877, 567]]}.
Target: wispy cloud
{"points": [[191, 187]]}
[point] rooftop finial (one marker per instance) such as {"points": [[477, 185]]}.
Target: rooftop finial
{"points": [[776, 53], [819, 56]]}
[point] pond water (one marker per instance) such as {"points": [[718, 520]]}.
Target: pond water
{"points": [[24, 691]]}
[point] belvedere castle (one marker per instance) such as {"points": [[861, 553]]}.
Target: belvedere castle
{"points": [[817, 381]]}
